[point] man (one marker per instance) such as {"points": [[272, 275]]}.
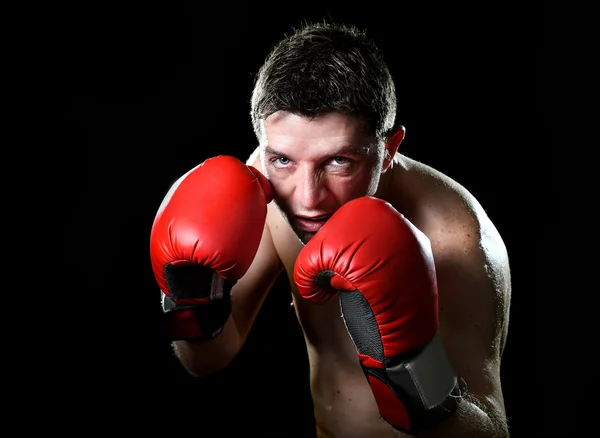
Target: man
{"points": [[400, 281]]}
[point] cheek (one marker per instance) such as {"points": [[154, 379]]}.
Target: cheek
{"points": [[281, 187], [372, 179], [352, 188], [281, 193], [373, 184], [367, 179]]}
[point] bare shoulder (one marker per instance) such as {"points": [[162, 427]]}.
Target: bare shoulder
{"points": [[473, 273], [454, 220]]}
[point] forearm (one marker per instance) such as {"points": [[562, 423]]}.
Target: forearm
{"points": [[207, 357], [471, 420], [202, 358]]}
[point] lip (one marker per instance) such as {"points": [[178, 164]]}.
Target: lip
{"points": [[311, 224]]}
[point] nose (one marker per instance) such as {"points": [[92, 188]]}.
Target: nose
{"points": [[310, 189]]}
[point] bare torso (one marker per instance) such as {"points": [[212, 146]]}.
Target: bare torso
{"points": [[343, 403]]}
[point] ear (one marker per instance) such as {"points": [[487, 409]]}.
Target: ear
{"points": [[395, 137]]}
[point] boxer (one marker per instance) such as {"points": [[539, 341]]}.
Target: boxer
{"points": [[400, 280]]}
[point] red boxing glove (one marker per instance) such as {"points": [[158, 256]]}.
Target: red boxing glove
{"points": [[381, 268], [203, 239]]}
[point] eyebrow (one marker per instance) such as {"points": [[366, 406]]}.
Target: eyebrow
{"points": [[346, 149]]}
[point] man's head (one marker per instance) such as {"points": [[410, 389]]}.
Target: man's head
{"points": [[323, 110], [323, 68]]}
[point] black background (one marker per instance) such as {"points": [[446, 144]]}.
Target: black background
{"points": [[143, 93]]}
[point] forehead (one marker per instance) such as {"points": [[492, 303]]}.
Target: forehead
{"points": [[286, 130]]}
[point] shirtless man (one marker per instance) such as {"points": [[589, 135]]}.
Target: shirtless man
{"points": [[400, 281]]}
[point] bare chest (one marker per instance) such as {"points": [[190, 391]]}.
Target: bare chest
{"points": [[343, 402]]}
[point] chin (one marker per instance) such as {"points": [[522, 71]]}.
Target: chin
{"points": [[303, 236]]}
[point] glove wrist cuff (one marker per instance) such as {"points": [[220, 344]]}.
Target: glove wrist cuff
{"points": [[195, 322], [427, 378], [425, 387]]}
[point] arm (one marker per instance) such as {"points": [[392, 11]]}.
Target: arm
{"points": [[213, 259], [474, 298], [382, 269]]}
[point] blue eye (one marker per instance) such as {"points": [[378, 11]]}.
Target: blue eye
{"points": [[341, 161]]}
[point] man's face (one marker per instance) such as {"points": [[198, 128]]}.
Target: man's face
{"points": [[317, 165]]}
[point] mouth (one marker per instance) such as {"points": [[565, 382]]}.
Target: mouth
{"points": [[311, 224]]}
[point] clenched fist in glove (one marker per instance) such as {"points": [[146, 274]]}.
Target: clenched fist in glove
{"points": [[203, 239], [381, 269]]}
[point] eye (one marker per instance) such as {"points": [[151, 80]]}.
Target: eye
{"points": [[341, 161], [280, 162]]}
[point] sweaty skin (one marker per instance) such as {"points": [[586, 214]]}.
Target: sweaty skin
{"points": [[471, 263], [315, 166]]}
